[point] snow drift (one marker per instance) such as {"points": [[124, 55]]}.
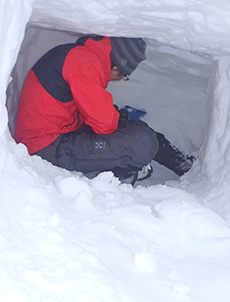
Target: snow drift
{"points": [[67, 238]]}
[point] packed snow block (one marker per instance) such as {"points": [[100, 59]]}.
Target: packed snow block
{"points": [[72, 186], [105, 182], [54, 221], [145, 261]]}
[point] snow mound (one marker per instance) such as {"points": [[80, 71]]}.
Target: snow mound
{"points": [[186, 219]]}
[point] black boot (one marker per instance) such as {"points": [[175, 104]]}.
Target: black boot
{"points": [[170, 157]]}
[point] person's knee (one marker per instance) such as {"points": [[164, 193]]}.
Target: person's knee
{"points": [[144, 141]]}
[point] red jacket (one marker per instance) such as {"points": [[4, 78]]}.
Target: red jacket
{"points": [[65, 89]]}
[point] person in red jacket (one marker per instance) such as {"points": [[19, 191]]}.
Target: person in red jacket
{"points": [[67, 116]]}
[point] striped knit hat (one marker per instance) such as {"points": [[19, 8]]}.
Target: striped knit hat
{"points": [[127, 53]]}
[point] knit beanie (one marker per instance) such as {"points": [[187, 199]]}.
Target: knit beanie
{"points": [[127, 53]]}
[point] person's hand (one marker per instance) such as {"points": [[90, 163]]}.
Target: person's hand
{"points": [[124, 115]]}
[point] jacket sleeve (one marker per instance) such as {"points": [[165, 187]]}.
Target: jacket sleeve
{"points": [[87, 83]]}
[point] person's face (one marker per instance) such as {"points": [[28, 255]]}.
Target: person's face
{"points": [[116, 75]]}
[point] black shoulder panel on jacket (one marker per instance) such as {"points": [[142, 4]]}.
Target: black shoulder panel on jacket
{"points": [[81, 41], [48, 70]]}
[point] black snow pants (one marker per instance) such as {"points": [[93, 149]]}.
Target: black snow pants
{"points": [[132, 146]]}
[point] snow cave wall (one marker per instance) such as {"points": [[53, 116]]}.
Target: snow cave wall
{"points": [[197, 26]]}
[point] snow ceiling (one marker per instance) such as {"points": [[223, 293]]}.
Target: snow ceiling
{"points": [[199, 26]]}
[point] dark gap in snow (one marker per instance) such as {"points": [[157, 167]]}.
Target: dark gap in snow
{"points": [[171, 85]]}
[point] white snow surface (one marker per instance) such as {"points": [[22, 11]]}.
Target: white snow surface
{"points": [[67, 238]]}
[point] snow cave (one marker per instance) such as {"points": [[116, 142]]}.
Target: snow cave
{"points": [[171, 86], [184, 85]]}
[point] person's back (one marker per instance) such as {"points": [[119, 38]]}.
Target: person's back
{"points": [[65, 88]]}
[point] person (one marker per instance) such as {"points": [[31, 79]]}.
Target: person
{"points": [[67, 116]]}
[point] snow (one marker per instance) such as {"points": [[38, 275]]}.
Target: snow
{"points": [[65, 237]]}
